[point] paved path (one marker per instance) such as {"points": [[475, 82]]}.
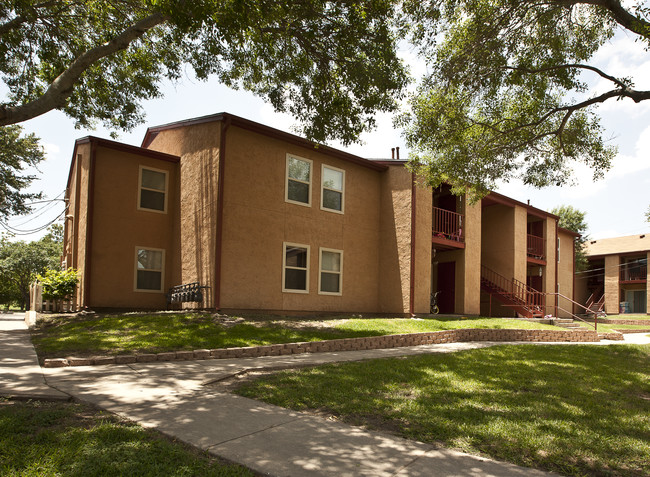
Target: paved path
{"points": [[20, 375], [177, 398]]}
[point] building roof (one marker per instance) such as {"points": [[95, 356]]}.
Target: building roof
{"points": [[265, 130], [618, 245]]}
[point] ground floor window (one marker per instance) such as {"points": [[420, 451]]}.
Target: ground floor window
{"points": [[295, 268], [331, 271], [149, 269]]}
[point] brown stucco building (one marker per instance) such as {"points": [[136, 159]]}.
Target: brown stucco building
{"points": [[616, 280], [266, 220]]}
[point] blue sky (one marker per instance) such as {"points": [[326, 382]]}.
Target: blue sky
{"points": [[615, 205]]}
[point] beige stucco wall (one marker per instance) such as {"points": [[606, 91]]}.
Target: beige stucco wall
{"points": [[76, 226], [549, 270], [118, 228], [258, 220], [565, 271], [198, 147], [520, 244], [498, 239], [612, 298], [423, 221], [394, 240], [471, 301]]}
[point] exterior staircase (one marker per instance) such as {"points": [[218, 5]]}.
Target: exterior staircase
{"points": [[594, 304], [567, 323], [526, 301]]}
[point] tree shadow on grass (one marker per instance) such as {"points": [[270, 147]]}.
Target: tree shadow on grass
{"points": [[571, 409]]}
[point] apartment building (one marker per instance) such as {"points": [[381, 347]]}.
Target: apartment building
{"points": [[616, 280], [266, 220]]}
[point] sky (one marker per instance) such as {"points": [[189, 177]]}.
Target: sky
{"points": [[614, 206]]}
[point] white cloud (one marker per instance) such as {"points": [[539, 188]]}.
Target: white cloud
{"points": [[51, 151]]}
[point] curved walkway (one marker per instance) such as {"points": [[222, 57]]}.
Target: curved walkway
{"points": [[176, 398]]}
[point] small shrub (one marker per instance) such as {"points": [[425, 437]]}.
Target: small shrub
{"points": [[59, 284]]}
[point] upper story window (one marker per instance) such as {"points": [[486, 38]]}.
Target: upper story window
{"points": [[153, 190], [149, 269], [332, 189], [299, 174]]}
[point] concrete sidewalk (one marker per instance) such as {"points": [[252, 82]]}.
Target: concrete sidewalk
{"points": [[20, 375], [177, 399], [180, 399]]}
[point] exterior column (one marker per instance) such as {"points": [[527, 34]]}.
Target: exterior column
{"points": [[611, 284]]}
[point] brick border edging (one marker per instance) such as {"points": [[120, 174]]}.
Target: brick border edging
{"points": [[616, 321], [345, 344]]}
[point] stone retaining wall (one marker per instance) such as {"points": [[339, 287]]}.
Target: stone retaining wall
{"points": [[608, 321], [346, 344]]}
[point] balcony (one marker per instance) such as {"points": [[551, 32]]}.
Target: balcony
{"points": [[634, 273], [536, 249], [447, 229]]}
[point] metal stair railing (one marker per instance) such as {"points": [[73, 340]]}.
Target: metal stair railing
{"points": [[573, 315], [518, 292]]}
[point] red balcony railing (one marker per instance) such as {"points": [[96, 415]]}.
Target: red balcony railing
{"points": [[536, 247], [634, 273], [448, 225]]}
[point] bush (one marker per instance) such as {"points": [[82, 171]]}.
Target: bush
{"points": [[59, 284]]}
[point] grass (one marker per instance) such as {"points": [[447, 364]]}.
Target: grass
{"points": [[129, 333], [577, 410], [628, 316], [64, 439], [605, 327]]}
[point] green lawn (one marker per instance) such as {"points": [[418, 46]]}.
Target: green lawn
{"points": [[576, 410], [63, 439], [628, 316], [604, 327], [119, 334]]}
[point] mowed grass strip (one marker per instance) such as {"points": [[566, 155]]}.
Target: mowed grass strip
{"points": [[577, 410], [63, 336], [64, 439]]}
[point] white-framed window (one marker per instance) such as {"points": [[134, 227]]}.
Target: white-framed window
{"points": [[299, 177], [295, 268], [152, 194], [332, 189], [330, 275], [149, 269]]}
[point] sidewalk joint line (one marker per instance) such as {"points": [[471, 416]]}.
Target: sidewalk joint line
{"points": [[255, 432]]}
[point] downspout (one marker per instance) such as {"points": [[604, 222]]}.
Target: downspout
{"points": [[412, 284], [557, 261], [219, 228], [573, 289], [89, 222]]}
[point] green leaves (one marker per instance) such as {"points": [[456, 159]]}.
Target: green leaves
{"points": [[59, 284], [331, 64], [505, 96], [17, 153]]}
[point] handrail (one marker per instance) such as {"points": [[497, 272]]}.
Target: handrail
{"points": [[633, 273], [576, 317], [536, 246], [528, 296], [447, 224]]}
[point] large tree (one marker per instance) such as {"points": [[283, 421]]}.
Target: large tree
{"points": [[507, 90], [21, 262], [331, 64], [18, 153], [574, 220]]}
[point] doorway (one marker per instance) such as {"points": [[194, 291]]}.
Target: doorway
{"points": [[447, 287]]}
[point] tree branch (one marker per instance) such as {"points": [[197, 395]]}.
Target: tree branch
{"points": [[61, 88], [598, 71], [623, 17]]}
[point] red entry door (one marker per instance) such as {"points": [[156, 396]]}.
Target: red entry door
{"points": [[447, 287]]}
